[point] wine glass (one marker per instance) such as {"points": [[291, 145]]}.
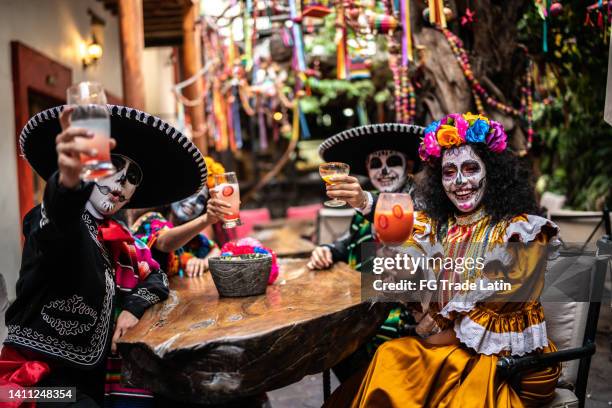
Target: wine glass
{"points": [[327, 172], [90, 112], [393, 218], [227, 189]]}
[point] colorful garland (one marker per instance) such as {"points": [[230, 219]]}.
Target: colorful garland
{"points": [[405, 99], [457, 129]]}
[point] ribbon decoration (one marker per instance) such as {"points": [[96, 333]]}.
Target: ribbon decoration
{"points": [[303, 123], [341, 49], [236, 118], [220, 119], [545, 26], [295, 131], [298, 49], [436, 13], [231, 136], [261, 124], [248, 45], [362, 114], [407, 37]]}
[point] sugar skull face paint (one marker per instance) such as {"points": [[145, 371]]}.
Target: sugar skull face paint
{"points": [[463, 177], [387, 170], [112, 193], [192, 207]]}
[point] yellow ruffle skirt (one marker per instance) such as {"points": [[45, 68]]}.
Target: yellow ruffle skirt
{"points": [[408, 372]]}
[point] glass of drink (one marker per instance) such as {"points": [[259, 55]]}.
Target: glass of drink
{"points": [[226, 188], [90, 112], [327, 172], [393, 218]]}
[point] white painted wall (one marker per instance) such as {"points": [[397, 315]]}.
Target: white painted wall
{"points": [[158, 73], [55, 28]]}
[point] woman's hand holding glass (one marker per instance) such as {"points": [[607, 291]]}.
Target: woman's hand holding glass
{"points": [[216, 209]]}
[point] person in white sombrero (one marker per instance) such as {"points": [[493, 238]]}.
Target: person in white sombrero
{"points": [[84, 280]]}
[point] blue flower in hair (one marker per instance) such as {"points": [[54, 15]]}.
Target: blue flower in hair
{"points": [[477, 132], [433, 126]]}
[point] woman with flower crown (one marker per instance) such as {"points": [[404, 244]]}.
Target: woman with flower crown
{"points": [[479, 203]]}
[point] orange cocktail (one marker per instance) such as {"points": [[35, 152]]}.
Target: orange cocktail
{"points": [[393, 218], [393, 227]]}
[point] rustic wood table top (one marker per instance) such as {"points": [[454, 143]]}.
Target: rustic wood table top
{"points": [[285, 241], [197, 347]]}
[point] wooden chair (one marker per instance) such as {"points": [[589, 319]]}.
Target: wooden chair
{"points": [[571, 324]]}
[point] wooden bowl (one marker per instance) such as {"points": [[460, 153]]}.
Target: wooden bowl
{"points": [[241, 275]]}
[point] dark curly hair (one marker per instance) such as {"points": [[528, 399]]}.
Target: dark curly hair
{"points": [[509, 189]]}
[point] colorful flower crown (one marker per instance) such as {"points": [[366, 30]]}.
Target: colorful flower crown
{"points": [[458, 129]]}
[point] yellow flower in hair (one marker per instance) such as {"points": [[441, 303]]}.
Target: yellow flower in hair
{"points": [[471, 118], [448, 136]]}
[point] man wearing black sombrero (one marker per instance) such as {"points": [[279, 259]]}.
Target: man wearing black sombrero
{"points": [[84, 280], [387, 154]]}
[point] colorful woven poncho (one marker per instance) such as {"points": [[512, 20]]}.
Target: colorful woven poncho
{"points": [[148, 229]]}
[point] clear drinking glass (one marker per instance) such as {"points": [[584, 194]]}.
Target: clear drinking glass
{"points": [[227, 189], [327, 171], [393, 218], [90, 112]]}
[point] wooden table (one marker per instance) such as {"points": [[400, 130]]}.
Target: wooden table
{"points": [[286, 242], [197, 347]]}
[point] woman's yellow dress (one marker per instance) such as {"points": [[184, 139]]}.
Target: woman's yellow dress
{"points": [[409, 372]]}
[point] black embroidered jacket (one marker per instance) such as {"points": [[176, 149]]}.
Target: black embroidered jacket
{"points": [[66, 293]]}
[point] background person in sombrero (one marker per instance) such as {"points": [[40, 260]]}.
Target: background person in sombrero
{"points": [[480, 203], [386, 154], [85, 281]]}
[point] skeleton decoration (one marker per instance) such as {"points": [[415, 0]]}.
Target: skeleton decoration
{"points": [[463, 177], [387, 170], [112, 193]]}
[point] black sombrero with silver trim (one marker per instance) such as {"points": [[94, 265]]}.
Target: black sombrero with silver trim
{"points": [[353, 146], [173, 168]]}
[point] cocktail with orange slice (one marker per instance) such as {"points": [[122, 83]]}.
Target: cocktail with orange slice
{"points": [[227, 189], [328, 171], [393, 218]]}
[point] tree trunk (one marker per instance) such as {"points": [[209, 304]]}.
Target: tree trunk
{"points": [[498, 62]]}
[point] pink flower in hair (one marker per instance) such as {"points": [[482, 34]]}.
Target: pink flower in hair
{"points": [[496, 139], [431, 146], [458, 122]]}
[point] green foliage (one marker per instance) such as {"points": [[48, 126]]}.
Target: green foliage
{"points": [[329, 91], [576, 142]]}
